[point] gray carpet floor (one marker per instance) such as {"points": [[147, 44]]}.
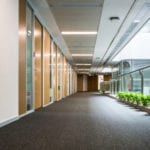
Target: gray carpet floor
{"points": [[84, 121]]}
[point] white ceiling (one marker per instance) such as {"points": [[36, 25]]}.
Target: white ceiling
{"points": [[78, 15], [87, 15]]}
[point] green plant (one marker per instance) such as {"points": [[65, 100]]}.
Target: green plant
{"points": [[121, 95], [144, 100], [139, 97], [103, 91], [133, 97]]}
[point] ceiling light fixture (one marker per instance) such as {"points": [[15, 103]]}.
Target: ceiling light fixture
{"points": [[79, 32], [114, 18], [83, 64], [82, 55]]}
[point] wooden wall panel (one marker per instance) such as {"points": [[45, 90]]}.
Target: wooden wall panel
{"points": [[46, 61], [107, 77], [22, 56], [92, 83], [38, 64], [58, 75], [64, 77], [68, 79], [80, 83], [54, 72]]}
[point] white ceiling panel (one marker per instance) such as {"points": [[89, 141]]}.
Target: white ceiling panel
{"points": [[107, 28]]}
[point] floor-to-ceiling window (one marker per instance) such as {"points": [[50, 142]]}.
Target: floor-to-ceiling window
{"points": [[146, 81], [137, 84], [127, 82]]}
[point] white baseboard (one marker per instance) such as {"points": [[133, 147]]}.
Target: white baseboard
{"points": [[9, 121], [48, 104], [27, 113]]}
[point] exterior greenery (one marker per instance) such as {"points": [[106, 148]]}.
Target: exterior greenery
{"points": [[135, 98]]}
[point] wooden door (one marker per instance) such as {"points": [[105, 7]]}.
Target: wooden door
{"points": [[46, 69], [38, 63], [58, 75], [54, 72]]}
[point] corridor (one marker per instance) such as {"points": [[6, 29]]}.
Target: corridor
{"points": [[83, 121]]}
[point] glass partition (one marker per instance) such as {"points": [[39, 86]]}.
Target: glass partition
{"points": [[137, 82], [127, 83], [146, 81], [29, 59]]}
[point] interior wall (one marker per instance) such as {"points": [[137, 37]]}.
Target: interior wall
{"points": [[93, 83], [82, 83], [9, 59]]}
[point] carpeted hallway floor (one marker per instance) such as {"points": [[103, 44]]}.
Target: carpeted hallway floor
{"points": [[84, 121]]}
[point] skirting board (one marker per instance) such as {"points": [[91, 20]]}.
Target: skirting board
{"points": [[14, 119], [27, 113], [9, 121], [48, 104]]}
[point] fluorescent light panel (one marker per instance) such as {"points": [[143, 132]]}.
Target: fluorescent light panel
{"points": [[83, 69], [79, 32], [80, 55], [107, 70], [83, 64]]}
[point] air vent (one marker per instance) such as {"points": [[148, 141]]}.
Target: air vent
{"points": [[125, 36]]}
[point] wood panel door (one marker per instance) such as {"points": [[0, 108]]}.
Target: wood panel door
{"points": [[22, 57], [46, 69], [58, 74], [92, 83], [64, 77], [38, 63], [54, 72]]}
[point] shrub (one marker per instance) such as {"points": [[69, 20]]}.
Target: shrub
{"points": [[144, 100], [121, 95], [137, 98]]}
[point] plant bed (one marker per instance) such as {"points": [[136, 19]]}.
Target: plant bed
{"points": [[136, 100]]}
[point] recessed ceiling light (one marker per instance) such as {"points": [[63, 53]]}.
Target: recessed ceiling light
{"points": [[79, 32], [82, 55], [136, 21]]}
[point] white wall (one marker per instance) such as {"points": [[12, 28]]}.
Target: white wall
{"points": [[8, 59]]}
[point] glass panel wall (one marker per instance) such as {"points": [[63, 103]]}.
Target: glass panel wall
{"points": [[29, 59], [137, 82], [127, 83], [146, 81]]}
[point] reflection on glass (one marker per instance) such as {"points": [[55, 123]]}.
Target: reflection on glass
{"points": [[146, 83], [29, 59], [127, 83], [137, 84]]}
